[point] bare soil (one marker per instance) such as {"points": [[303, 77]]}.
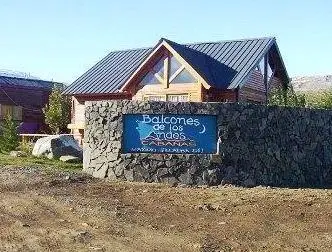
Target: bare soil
{"points": [[44, 210]]}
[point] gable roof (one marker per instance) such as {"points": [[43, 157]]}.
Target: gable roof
{"points": [[224, 64], [7, 81]]}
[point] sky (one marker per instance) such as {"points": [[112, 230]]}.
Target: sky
{"points": [[60, 39]]}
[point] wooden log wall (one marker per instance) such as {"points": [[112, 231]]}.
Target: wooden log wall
{"points": [[32, 100]]}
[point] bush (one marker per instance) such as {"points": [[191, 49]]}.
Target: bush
{"points": [[287, 97], [26, 147], [9, 138], [320, 99]]}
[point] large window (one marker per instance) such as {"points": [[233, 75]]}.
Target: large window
{"points": [[168, 67]]}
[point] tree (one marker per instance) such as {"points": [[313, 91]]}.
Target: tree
{"points": [[286, 97], [9, 139], [57, 111]]}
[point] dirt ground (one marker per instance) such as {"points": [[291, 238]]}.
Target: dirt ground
{"points": [[58, 211]]}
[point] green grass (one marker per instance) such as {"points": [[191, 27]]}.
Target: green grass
{"points": [[30, 161]]}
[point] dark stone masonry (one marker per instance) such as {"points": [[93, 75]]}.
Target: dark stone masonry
{"points": [[259, 145]]}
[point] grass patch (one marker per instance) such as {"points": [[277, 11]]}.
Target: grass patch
{"points": [[39, 162]]}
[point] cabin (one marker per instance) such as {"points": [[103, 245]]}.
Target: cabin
{"points": [[24, 99], [226, 71]]}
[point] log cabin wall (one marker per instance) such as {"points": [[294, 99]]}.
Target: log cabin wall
{"points": [[14, 111], [77, 124], [254, 89], [219, 95]]}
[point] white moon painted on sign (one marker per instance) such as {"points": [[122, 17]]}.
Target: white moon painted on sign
{"points": [[202, 130]]}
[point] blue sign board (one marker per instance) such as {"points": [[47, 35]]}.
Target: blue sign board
{"points": [[169, 133]]}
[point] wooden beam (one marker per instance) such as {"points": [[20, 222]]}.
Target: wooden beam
{"points": [[266, 77], [158, 77], [176, 73], [237, 94], [200, 92], [166, 71]]}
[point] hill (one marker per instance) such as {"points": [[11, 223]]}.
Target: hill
{"points": [[312, 83]]}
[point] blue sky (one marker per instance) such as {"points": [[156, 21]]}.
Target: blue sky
{"points": [[61, 39]]}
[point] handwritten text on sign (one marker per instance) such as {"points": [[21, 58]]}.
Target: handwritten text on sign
{"points": [[169, 133]]}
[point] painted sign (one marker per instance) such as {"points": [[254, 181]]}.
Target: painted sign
{"points": [[152, 133]]}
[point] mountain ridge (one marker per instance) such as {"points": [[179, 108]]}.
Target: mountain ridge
{"points": [[313, 83]]}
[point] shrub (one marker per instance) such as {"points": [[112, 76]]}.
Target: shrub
{"points": [[9, 139], [320, 99], [26, 147], [286, 97]]}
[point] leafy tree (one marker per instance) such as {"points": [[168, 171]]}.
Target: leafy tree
{"points": [[57, 111], [286, 97], [9, 139]]}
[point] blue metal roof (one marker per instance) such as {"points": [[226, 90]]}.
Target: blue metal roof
{"points": [[223, 64], [26, 83], [109, 74]]}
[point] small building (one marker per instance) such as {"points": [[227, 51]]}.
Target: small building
{"points": [[226, 71], [24, 99]]}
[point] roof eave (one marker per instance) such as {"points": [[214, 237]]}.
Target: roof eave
{"points": [[282, 62]]}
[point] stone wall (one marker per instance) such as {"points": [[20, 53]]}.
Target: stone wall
{"points": [[260, 145]]}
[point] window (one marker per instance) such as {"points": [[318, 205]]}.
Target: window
{"points": [[159, 68], [169, 97], [183, 77], [17, 113], [174, 66], [150, 78], [154, 98], [269, 69], [156, 74], [177, 73], [178, 98]]}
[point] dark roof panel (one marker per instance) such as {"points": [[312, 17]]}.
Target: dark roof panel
{"points": [[223, 64], [26, 83], [109, 74]]}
